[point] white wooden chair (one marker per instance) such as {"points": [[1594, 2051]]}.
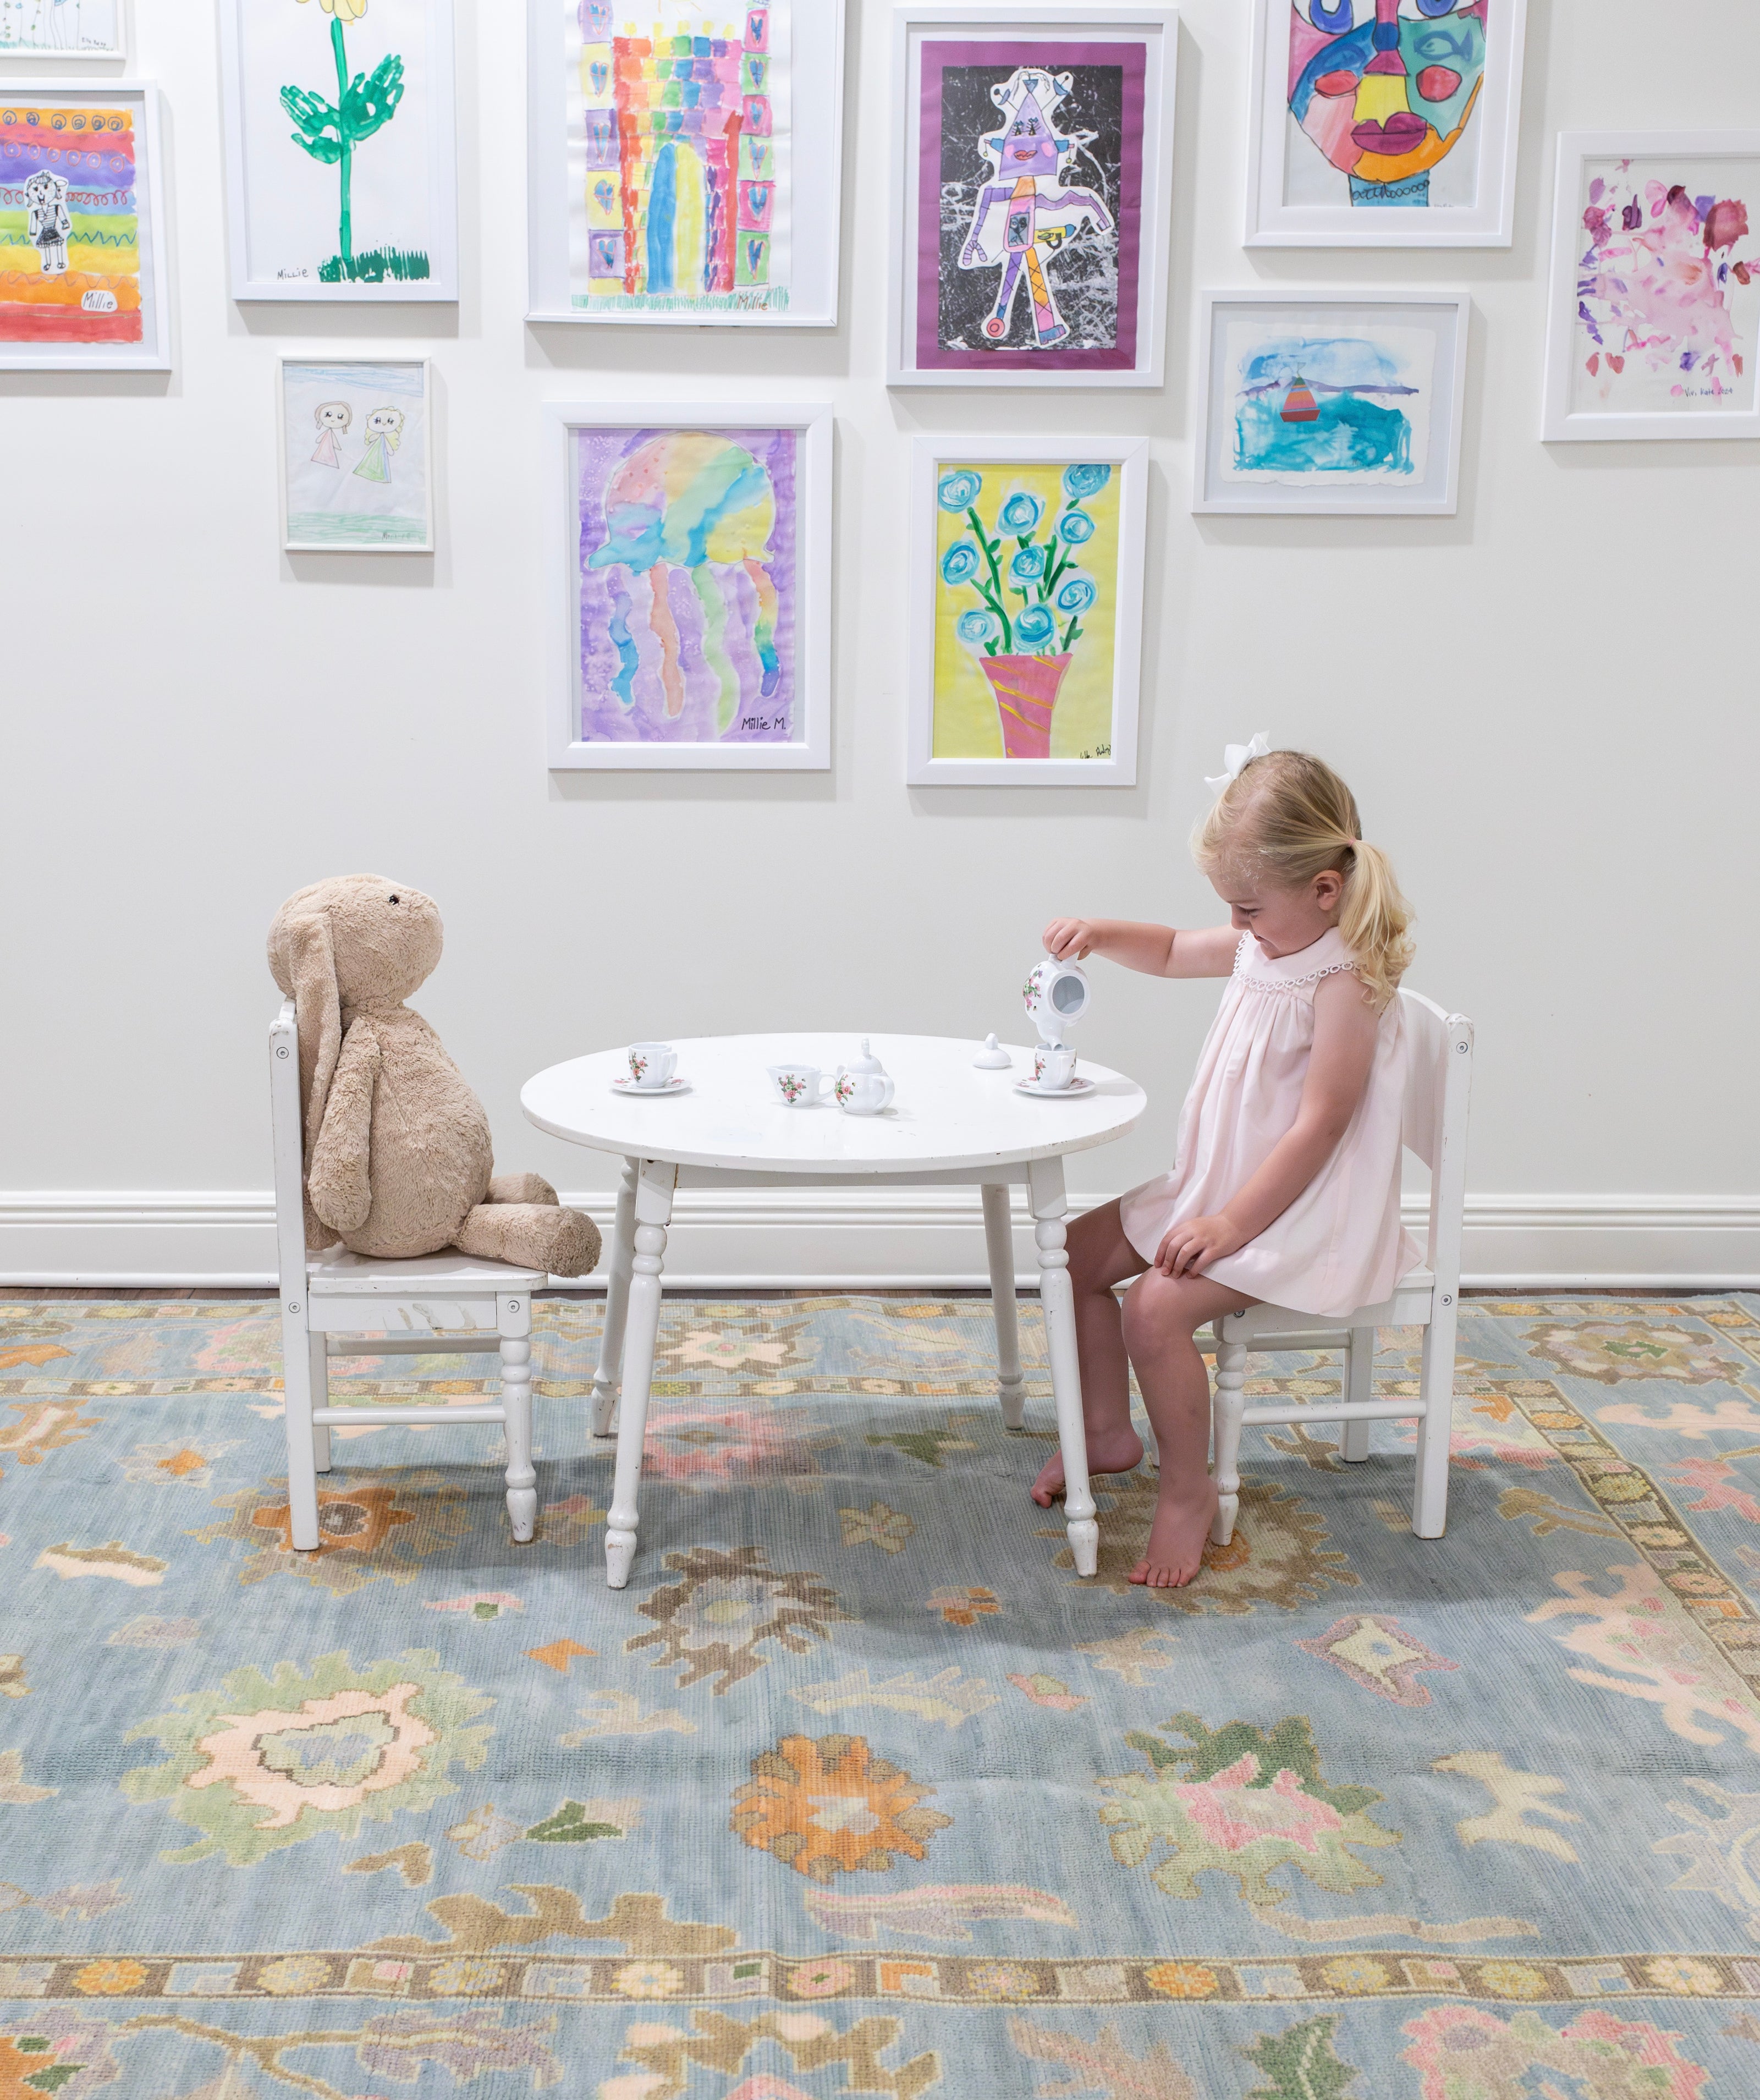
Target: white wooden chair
{"points": [[1433, 1124], [336, 1303]]}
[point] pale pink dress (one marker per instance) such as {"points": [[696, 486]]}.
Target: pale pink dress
{"points": [[1340, 1244]]}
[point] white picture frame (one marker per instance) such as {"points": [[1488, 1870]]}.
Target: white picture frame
{"points": [[91, 30], [62, 109], [287, 208], [1450, 219], [663, 666], [1595, 392], [581, 242], [945, 39], [976, 724], [1413, 350], [353, 521]]}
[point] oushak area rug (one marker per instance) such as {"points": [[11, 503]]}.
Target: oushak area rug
{"points": [[856, 1789]]}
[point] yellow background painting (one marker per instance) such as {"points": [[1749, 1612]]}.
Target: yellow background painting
{"points": [[966, 723]]}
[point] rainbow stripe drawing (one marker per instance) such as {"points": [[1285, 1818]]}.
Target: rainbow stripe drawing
{"points": [[679, 160]]}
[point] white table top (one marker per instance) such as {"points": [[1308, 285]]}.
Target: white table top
{"points": [[945, 1114]]}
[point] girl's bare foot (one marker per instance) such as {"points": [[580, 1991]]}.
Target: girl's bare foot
{"points": [[1115, 1451], [1184, 1514]]}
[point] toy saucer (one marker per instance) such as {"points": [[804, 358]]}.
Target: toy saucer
{"points": [[673, 1086], [1076, 1085]]}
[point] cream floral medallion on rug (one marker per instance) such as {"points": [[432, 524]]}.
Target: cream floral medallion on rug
{"points": [[857, 1789]]}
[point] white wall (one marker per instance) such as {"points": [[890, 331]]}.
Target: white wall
{"points": [[1546, 706]]}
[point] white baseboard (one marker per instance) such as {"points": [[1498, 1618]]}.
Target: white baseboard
{"points": [[854, 1239]]}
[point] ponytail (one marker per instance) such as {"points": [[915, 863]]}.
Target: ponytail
{"points": [[1291, 816]]}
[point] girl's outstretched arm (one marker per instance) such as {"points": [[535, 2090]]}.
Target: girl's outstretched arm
{"points": [[1345, 1030], [1158, 951]]}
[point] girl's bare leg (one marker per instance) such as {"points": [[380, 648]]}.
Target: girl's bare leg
{"points": [[1100, 1256], [1162, 1316]]}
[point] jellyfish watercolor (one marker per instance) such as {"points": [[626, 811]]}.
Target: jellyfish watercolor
{"points": [[688, 533]]}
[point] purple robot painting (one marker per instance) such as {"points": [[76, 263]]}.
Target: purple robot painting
{"points": [[1028, 209]]}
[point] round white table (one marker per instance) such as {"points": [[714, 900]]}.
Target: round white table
{"points": [[950, 1123]]}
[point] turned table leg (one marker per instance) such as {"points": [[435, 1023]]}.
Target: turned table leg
{"points": [[999, 1242], [616, 1301], [1046, 1191], [653, 1209]]}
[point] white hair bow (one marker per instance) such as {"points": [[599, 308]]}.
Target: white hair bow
{"points": [[1234, 757]]}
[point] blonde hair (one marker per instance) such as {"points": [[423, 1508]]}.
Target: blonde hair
{"points": [[1289, 815]]}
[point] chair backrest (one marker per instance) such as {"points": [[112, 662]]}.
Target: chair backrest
{"points": [[289, 1154], [1438, 1081]]}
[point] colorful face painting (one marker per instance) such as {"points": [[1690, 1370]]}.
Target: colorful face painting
{"points": [[1351, 408], [1030, 184], [354, 437], [1025, 609], [1668, 287], [1383, 93], [70, 274], [678, 159], [687, 585]]}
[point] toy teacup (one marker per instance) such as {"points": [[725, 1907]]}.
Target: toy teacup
{"points": [[1056, 996], [1053, 1067], [651, 1065], [797, 1085]]}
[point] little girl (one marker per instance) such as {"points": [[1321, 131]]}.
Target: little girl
{"points": [[1286, 1182]]}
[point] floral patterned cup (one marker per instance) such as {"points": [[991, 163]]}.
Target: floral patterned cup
{"points": [[651, 1065], [1053, 1068], [798, 1086]]}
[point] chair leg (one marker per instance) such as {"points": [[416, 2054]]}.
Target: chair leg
{"points": [[1359, 1384], [1429, 1493], [998, 1243], [616, 1302], [516, 1400], [302, 1470], [653, 1213], [1225, 1418], [1046, 1194], [321, 1397]]}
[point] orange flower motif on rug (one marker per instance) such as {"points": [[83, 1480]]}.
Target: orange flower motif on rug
{"points": [[828, 1806], [385, 1526]]}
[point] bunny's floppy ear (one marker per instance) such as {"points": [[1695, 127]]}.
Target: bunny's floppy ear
{"points": [[311, 964]]}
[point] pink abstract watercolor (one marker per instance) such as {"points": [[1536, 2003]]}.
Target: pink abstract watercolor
{"points": [[1662, 320]]}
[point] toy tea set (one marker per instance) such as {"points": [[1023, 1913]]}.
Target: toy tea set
{"points": [[1057, 996]]}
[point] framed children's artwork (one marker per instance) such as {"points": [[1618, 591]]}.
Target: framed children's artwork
{"points": [[1331, 403], [1653, 323], [683, 161], [1383, 123], [1033, 174], [357, 456], [342, 156], [1026, 608], [65, 30], [691, 568], [84, 287]]}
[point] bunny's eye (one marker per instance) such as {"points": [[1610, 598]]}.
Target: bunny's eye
{"points": [[394, 897]]}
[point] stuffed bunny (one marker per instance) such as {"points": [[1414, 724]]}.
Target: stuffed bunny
{"points": [[398, 1157]]}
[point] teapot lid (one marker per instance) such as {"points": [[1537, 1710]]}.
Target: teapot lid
{"points": [[866, 1062]]}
